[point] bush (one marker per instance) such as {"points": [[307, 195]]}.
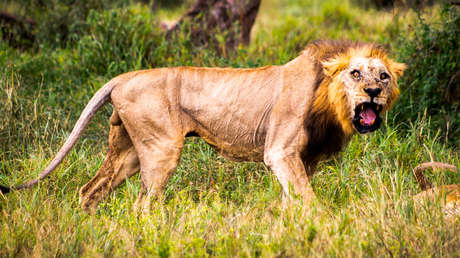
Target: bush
{"points": [[431, 82], [57, 20], [118, 41], [397, 3]]}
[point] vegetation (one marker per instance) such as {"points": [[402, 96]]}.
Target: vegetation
{"points": [[432, 83], [214, 207]]}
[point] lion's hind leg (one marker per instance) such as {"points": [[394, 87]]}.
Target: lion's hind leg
{"points": [[120, 163]]}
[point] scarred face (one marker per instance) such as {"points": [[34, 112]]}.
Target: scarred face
{"points": [[369, 87]]}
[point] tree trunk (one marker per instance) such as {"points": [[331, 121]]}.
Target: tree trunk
{"points": [[16, 31], [231, 18]]}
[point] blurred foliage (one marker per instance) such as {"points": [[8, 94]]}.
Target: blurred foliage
{"points": [[59, 21], [432, 81], [387, 4], [166, 3]]}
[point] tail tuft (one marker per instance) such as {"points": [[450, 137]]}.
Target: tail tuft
{"points": [[4, 189]]}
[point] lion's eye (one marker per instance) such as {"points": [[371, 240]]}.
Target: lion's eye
{"points": [[384, 76], [355, 73]]}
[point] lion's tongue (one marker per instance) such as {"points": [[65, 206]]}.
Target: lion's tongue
{"points": [[368, 116]]}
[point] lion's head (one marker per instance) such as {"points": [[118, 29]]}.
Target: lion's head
{"points": [[359, 83]]}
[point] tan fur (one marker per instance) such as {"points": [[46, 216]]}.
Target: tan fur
{"points": [[120, 163], [449, 195], [289, 116]]}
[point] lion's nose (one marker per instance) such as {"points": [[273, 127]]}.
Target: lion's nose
{"points": [[373, 92]]}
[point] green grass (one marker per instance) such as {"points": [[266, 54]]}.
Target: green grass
{"points": [[211, 206]]}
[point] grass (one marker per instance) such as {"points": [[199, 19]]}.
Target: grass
{"points": [[211, 207]]}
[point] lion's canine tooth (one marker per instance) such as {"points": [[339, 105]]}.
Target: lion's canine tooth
{"points": [[361, 121]]}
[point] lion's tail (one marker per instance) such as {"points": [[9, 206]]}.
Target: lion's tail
{"points": [[101, 97]]}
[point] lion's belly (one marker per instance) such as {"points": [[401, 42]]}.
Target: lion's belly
{"points": [[236, 135], [229, 108], [236, 151]]}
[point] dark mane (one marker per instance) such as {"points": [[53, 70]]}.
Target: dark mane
{"points": [[325, 133]]}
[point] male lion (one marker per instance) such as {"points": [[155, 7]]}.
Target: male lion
{"points": [[289, 116]]}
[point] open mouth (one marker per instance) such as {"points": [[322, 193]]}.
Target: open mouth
{"points": [[367, 117]]}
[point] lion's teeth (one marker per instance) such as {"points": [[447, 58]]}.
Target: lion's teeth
{"points": [[361, 121], [362, 107], [372, 121]]}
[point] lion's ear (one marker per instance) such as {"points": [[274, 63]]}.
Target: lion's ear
{"points": [[333, 66], [397, 68]]}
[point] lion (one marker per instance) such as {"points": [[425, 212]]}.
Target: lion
{"points": [[289, 116]]}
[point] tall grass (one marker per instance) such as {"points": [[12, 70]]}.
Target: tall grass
{"points": [[211, 206]]}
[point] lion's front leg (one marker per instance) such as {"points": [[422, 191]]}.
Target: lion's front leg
{"points": [[291, 173]]}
